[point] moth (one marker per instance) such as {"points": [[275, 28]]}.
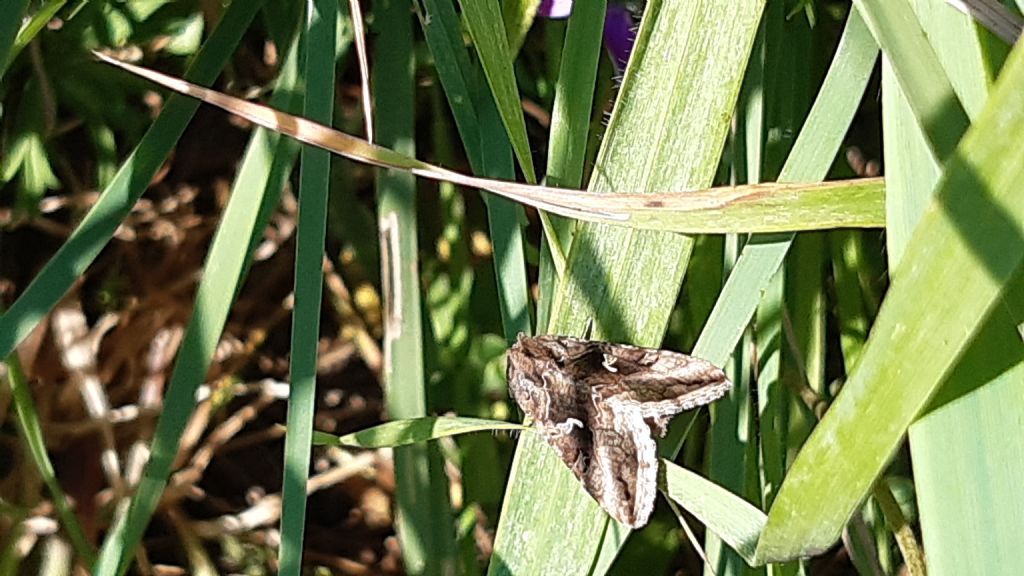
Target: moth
{"points": [[599, 406]]}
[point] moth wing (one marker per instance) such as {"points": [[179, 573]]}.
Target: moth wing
{"points": [[662, 384], [563, 422], [624, 474]]}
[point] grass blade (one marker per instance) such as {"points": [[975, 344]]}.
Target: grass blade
{"points": [[117, 199], [32, 436], [966, 527], [736, 521], [756, 208], [483, 18], [9, 25], [675, 85], [917, 68], [413, 431], [425, 525], [969, 243], [213, 299], [314, 185]]}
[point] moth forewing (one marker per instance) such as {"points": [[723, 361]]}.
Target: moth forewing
{"points": [[599, 405]]}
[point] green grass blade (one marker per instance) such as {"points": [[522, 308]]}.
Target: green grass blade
{"points": [[917, 68], [812, 154], [736, 521], [678, 94], [483, 18], [914, 168], [965, 465], [810, 159], [34, 26], [443, 33], [32, 434], [314, 185], [413, 431], [567, 143], [753, 208], [574, 95], [425, 524], [489, 152], [213, 300], [10, 22], [969, 243], [518, 16], [772, 208], [958, 45], [117, 199]]}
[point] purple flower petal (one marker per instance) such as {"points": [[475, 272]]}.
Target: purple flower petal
{"points": [[619, 33], [555, 8]]}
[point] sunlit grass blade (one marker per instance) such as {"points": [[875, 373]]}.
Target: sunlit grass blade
{"points": [[736, 521], [574, 95], [32, 435], [412, 431], [969, 243], [757, 208], [967, 523], [488, 148], [483, 18], [810, 158], [567, 143]]}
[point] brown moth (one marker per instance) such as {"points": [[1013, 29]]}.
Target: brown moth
{"points": [[599, 405]]}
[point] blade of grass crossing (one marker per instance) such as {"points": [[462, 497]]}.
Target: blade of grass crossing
{"points": [[810, 159], [732, 464], [965, 526], [314, 183], [505, 218], [957, 43], [425, 522], [131, 181], [213, 300], [930, 95], [969, 243], [627, 281]]}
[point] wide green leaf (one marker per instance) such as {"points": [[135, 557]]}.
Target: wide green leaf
{"points": [[672, 113]]}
